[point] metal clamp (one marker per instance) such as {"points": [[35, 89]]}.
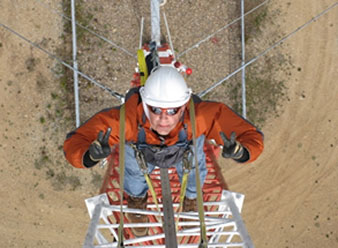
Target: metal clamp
{"points": [[187, 160], [140, 159]]}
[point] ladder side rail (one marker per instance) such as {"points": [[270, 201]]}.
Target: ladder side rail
{"points": [[92, 229], [239, 222]]}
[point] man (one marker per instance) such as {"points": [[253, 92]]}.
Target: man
{"points": [[158, 125]]}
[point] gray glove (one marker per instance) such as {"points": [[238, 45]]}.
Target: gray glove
{"points": [[232, 148], [100, 148]]}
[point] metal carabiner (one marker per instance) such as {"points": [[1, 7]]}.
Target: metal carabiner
{"points": [[187, 160], [140, 159]]}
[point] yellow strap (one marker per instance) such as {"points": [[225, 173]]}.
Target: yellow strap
{"points": [[203, 242], [183, 189], [143, 167], [182, 195], [121, 166], [152, 191], [142, 65]]}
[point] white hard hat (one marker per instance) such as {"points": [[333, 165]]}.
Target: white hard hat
{"points": [[165, 88]]}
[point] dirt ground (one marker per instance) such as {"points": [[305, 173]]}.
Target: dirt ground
{"points": [[291, 190]]}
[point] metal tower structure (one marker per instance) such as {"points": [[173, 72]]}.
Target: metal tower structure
{"points": [[167, 226]]}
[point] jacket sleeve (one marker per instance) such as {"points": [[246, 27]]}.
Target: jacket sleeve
{"points": [[221, 118], [78, 141]]}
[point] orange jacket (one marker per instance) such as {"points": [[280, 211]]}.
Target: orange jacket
{"points": [[211, 119]]}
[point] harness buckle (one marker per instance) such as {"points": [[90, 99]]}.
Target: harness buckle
{"points": [[140, 159], [187, 160]]}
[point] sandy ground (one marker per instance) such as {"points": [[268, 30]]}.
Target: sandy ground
{"points": [[291, 190]]}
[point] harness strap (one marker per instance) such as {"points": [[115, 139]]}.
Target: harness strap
{"points": [[141, 136], [121, 166], [203, 241], [144, 169], [187, 163], [183, 190]]}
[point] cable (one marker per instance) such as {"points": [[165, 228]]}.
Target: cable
{"points": [[168, 33], [88, 30], [202, 93], [243, 61], [75, 75], [219, 30], [130, 54], [113, 93]]}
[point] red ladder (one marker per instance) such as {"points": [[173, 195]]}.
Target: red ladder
{"points": [[212, 190]]}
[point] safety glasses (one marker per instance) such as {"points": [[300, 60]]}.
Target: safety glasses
{"points": [[168, 111]]}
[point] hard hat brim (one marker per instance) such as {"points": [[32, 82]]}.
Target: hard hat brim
{"points": [[163, 103]]}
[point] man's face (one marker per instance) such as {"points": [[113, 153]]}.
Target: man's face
{"points": [[164, 120]]}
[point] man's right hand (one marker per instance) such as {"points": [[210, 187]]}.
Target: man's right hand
{"points": [[100, 148], [232, 148]]}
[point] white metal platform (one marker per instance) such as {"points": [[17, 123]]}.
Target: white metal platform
{"points": [[225, 227]]}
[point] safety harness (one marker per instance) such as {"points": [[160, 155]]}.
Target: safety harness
{"points": [[164, 157]]}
